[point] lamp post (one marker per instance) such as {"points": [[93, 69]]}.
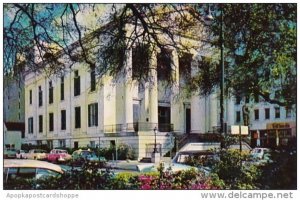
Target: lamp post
{"points": [[208, 19], [155, 132]]}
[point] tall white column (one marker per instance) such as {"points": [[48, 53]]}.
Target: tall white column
{"points": [[128, 104], [197, 108], [230, 112], [153, 94], [177, 115]]}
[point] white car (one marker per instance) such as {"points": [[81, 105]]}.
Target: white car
{"points": [[36, 154], [29, 169], [260, 152]]}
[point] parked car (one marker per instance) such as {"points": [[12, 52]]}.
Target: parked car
{"points": [[36, 154], [200, 160], [59, 155], [82, 156], [28, 169], [261, 156], [245, 147], [20, 154], [9, 153], [260, 152]]}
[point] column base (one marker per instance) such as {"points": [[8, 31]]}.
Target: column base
{"points": [[155, 158]]}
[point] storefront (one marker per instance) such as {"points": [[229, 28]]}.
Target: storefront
{"points": [[276, 135]]}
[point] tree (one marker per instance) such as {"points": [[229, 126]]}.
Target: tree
{"points": [[260, 50], [260, 41]]}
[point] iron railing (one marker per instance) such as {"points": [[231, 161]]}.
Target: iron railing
{"points": [[138, 126]]}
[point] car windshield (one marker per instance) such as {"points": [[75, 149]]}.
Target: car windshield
{"points": [[196, 159], [257, 150]]}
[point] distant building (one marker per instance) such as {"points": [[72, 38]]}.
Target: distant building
{"points": [[270, 125], [13, 134], [13, 98]]}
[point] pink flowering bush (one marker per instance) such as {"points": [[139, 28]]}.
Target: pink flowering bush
{"points": [[168, 180]]}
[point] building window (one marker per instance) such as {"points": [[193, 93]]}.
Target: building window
{"points": [[62, 88], [140, 61], [62, 143], [40, 96], [19, 105], [77, 117], [277, 112], [267, 113], [30, 97], [63, 120], [164, 67], [256, 114], [238, 116], [93, 114], [50, 92], [51, 122], [93, 79], [40, 123], [247, 99], [30, 125], [76, 83], [288, 113]]}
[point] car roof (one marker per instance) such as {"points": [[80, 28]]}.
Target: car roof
{"points": [[32, 163], [196, 152]]}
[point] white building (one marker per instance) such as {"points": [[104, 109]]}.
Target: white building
{"points": [[77, 108]]}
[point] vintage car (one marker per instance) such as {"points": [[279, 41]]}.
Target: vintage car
{"points": [[36, 154], [28, 169], [58, 155], [80, 157], [9, 153], [200, 160]]}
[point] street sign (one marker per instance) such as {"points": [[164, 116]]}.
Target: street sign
{"points": [[235, 130]]}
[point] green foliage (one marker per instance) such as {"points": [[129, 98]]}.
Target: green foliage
{"points": [[281, 174], [124, 152], [260, 49], [234, 173]]}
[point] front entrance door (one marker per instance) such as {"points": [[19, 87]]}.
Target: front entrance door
{"points": [[187, 120]]}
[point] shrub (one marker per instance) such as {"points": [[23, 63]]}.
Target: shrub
{"points": [[235, 174], [124, 152]]}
